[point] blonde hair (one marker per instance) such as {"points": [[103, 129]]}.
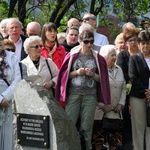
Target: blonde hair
{"points": [[119, 36]]}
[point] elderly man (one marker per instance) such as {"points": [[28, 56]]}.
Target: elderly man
{"points": [[99, 39], [128, 25], [73, 22], [33, 28], [14, 30]]}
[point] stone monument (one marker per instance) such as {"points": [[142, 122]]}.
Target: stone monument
{"points": [[40, 123]]}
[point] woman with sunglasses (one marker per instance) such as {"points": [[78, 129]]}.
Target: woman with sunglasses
{"points": [[9, 77], [51, 48], [10, 46], [82, 80], [37, 66]]}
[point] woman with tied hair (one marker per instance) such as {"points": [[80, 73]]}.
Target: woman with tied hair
{"points": [[118, 93], [130, 36], [9, 77], [139, 73], [37, 67], [51, 48], [82, 81]]}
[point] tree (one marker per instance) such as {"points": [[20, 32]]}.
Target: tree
{"points": [[130, 9], [59, 11], [3, 9]]}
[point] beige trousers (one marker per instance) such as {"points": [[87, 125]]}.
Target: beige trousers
{"points": [[140, 131]]}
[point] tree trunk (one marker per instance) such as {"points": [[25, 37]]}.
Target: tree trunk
{"points": [[11, 8]]}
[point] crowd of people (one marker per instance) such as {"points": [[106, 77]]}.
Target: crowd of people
{"points": [[93, 80]]}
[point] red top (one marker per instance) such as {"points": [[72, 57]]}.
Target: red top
{"points": [[57, 57]]}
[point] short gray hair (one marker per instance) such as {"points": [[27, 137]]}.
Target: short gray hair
{"points": [[85, 26], [27, 43], [13, 19], [106, 49]]}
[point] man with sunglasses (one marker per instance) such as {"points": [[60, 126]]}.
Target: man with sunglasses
{"points": [[99, 39]]}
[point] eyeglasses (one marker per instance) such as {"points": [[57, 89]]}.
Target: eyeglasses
{"points": [[132, 40], [88, 41], [87, 19], [36, 46], [10, 49]]}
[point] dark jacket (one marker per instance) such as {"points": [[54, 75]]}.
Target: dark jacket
{"points": [[139, 74], [123, 62], [23, 53]]}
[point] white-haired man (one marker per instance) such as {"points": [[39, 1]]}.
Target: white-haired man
{"points": [[14, 30]]}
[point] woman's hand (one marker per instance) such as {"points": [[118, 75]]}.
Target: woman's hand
{"points": [[118, 108], [106, 108], [4, 103], [80, 71], [48, 85], [147, 93], [89, 72]]}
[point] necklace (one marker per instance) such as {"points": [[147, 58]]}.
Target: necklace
{"points": [[36, 63]]}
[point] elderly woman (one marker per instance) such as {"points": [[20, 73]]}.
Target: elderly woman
{"points": [[3, 29], [117, 89], [10, 46], [139, 73], [9, 77], [120, 43], [41, 71], [82, 80]]}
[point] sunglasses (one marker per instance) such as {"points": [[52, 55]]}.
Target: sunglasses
{"points": [[10, 49], [33, 34], [88, 41], [87, 19], [36, 46]]}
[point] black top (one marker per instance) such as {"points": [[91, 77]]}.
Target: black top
{"points": [[123, 62], [139, 74], [68, 47], [23, 53]]}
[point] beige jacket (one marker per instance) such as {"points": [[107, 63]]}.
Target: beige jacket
{"points": [[118, 91], [42, 74]]}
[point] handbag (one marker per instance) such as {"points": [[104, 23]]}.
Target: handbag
{"points": [[111, 124]]}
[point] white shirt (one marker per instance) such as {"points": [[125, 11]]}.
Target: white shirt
{"points": [[18, 45], [100, 39]]}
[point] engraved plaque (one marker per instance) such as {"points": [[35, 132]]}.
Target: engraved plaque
{"points": [[33, 130]]}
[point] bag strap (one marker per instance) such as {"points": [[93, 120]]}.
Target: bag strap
{"points": [[6, 82], [20, 65], [120, 115], [49, 68]]}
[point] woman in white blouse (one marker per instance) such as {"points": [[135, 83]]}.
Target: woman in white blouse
{"points": [[40, 71]]}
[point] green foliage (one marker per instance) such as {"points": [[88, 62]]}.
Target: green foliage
{"points": [[3, 9], [130, 8], [114, 31]]}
